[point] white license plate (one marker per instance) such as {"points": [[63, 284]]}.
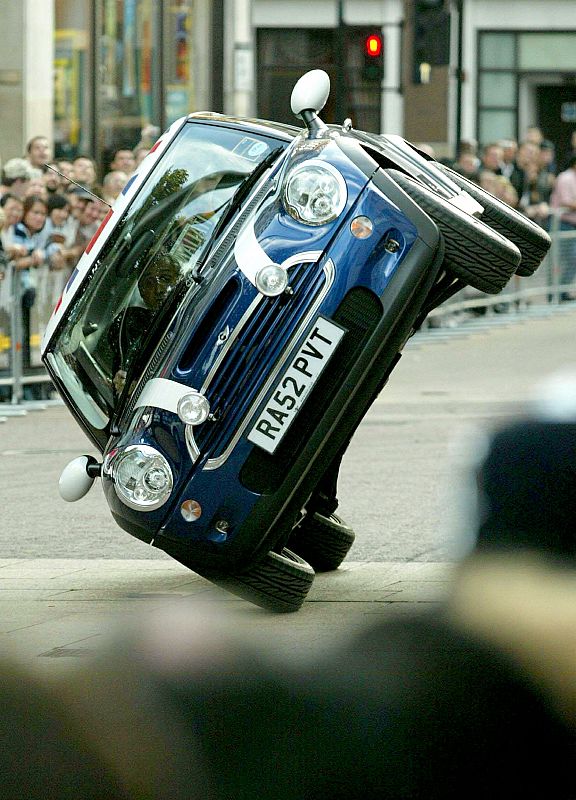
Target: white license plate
{"points": [[295, 385]]}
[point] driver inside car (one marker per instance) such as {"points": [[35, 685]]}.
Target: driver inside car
{"points": [[127, 330]]}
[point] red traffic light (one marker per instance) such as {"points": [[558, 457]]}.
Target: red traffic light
{"points": [[373, 45]]}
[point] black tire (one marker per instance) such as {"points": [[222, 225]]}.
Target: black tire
{"points": [[474, 252], [532, 241], [323, 541], [279, 582]]}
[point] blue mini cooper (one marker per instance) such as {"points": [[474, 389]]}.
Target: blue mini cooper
{"points": [[236, 314]]}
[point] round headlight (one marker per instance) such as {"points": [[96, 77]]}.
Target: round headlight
{"points": [[315, 193], [271, 280], [193, 408], [142, 477]]}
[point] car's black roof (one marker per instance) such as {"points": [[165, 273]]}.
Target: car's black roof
{"points": [[266, 126]]}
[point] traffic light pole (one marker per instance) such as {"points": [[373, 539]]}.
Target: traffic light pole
{"points": [[340, 64], [459, 75]]}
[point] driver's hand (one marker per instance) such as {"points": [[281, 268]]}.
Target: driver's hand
{"points": [[119, 380]]}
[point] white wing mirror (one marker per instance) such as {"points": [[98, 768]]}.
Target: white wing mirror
{"points": [[309, 96], [310, 92], [77, 478]]}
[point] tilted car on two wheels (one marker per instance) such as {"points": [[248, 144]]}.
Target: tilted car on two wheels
{"points": [[237, 313]]}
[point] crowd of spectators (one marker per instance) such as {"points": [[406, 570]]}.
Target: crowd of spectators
{"points": [[530, 176], [526, 174], [49, 211]]}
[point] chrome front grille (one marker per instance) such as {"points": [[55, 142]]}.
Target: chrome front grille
{"points": [[258, 349]]}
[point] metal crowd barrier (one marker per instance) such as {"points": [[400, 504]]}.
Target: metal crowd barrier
{"points": [[553, 279], [15, 375], [555, 276]]}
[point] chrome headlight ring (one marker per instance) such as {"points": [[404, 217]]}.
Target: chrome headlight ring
{"points": [[315, 192], [142, 477]]}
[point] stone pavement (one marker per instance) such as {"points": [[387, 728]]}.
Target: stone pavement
{"points": [[57, 612]]}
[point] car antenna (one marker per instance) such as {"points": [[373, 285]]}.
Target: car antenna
{"points": [[79, 185]]}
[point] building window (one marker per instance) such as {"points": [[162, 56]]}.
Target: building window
{"points": [[124, 66], [497, 51], [180, 98], [525, 75], [539, 51], [495, 125], [497, 87], [285, 54], [72, 111], [129, 87]]}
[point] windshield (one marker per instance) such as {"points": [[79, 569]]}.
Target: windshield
{"points": [[163, 235]]}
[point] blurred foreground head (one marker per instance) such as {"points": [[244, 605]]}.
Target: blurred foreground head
{"points": [[516, 589], [526, 481]]}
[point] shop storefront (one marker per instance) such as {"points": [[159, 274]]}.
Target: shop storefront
{"points": [[123, 66]]}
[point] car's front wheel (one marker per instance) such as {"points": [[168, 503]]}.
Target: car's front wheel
{"points": [[474, 252]]}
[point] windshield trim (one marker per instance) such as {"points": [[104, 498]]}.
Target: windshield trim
{"points": [[260, 127]]}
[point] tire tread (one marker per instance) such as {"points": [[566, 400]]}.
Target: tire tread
{"points": [[475, 252], [323, 541], [532, 240], [279, 582]]}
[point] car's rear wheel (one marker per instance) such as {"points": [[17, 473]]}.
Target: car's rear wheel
{"points": [[279, 582], [474, 251], [532, 241], [323, 541]]}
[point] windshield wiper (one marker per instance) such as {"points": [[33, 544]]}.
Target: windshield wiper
{"points": [[237, 199]]}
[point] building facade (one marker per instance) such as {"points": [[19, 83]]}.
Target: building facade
{"points": [[512, 66], [92, 74], [123, 66], [26, 63], [491, 68], [519, 61]]}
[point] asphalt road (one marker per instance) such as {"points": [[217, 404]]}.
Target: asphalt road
{"points": [[400, 481]]}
